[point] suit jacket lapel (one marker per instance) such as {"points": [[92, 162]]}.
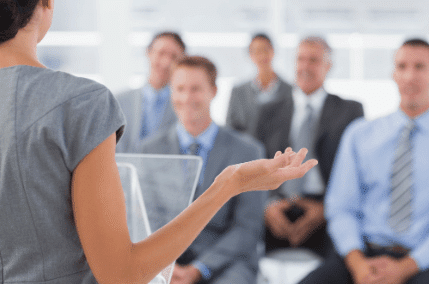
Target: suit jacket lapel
{"points": [[169, 116], [250, 90], [216, 160], [250, 108], [325, 117], [287, 111], [135, 125], [282, 91], [172, 143]]}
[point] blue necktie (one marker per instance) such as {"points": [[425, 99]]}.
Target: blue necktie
{"points": [[151, 124]]}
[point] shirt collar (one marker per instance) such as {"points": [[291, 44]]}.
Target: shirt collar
{"points": [[205, 139], [422, 121], [315, 99], [400, 119], [152, 95]]}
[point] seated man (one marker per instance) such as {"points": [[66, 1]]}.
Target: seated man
{"points": [[314, 119], [225, 251], [377, 201]]}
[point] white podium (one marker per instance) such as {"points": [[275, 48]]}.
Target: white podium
{"points": [[157, 188]]}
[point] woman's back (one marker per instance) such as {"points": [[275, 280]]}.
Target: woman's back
{"points": [[49, 122]]}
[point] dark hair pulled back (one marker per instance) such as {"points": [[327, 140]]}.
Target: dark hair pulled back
{"points": [[14, 15]]}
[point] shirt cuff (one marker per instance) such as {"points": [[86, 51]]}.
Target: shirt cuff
{"points": [[421, 260], [204, 270]]}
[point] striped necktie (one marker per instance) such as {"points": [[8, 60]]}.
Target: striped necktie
{"points": [[402, 182]]}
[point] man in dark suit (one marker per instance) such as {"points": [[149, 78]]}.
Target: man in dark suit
{"points": [[226, 250], [309, 118]]}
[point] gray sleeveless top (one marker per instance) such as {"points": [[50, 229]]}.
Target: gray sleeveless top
{"points": [[49, 121]]}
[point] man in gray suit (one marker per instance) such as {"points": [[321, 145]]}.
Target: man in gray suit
{"points": [[226, 250], [148, 109], [309, 118], [247, 99]]}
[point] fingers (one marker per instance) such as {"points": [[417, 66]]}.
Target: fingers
{"points": [[289, 165], [299, 157], [276, 220], [284, 158], [285, 204], [309, 164], [302, 169], [303, 230], [293, 172], [278, 229], [271, 173]]}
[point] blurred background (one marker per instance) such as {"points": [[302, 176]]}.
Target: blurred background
{"points": [[105, 40]]}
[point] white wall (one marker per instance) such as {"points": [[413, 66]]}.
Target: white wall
{"points": [[105, 40]]}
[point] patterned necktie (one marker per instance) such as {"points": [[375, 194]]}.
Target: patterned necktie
{"points": [[402, 182], [194, 148], [304, 139]]}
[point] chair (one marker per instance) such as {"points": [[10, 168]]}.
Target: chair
{"points": [[157, 188], [287, 266]]}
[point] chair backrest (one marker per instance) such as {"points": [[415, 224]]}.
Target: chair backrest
{"points": [[156, 188]]}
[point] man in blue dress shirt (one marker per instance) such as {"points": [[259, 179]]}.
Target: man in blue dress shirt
{"points": [[148, 110], [377, 201]]}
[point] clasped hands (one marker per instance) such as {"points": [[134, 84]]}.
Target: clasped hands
{"points": [[299, 231], [381, 269]]}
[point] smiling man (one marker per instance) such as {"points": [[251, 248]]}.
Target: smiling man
{"points": [[225, 251], [148, 110], [313, 119], [377, 201]]}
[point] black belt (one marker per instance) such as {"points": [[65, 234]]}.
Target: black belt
{"points": [[395, 251]]}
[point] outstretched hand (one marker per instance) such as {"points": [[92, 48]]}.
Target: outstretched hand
{"points": [[267, 174]]}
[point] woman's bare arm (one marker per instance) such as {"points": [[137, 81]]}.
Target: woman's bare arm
{"points": [[100, 214]]}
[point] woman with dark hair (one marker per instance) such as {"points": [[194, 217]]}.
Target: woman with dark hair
{"points": [[247, 98], [62, 209]]}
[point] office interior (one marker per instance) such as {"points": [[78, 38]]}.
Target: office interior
{"points": [[105, 40]]}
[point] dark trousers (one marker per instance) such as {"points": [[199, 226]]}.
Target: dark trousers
{"points": [[319, 242], [334, 271]]}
